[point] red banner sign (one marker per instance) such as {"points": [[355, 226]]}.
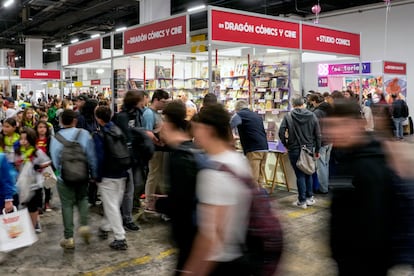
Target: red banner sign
{"points": [[233, 27], [396, 68], [332, 41], [40, 74], [167, 33], [87, 51], [95, 82]]}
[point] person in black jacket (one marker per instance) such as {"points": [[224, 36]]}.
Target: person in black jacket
{"points": [[305, 121], [399, 115], [130, 117], [361, 209], [182, 175]]}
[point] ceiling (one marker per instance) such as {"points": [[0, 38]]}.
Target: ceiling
{"points": [[59, 21]]}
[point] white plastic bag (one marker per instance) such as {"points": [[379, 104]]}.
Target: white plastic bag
{"points": [[49, 178], [27, 177], [16, 230]]}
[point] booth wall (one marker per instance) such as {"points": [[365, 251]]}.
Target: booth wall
{"points": [[371, 25]]}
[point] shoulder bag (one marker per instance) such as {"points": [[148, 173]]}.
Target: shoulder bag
{"points": [[306, 161]]}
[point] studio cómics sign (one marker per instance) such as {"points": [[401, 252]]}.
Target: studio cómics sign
{"points": [[167, 33], [86, 51], [233, 27]]}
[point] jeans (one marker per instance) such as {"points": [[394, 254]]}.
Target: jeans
{"points": [[303, 181], [398, 124], [71, 196], [322, 167], [134, 180], [112, 192], [257, 161]]}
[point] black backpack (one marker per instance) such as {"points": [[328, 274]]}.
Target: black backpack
{"points": [[74, 162], [116, 149], [142, 147]]}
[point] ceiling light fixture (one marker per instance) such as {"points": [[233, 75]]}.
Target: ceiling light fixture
{"points": [[58, 46], [95, 35], [100, 71], [74, 40], [197, 8], [120, 29], [8, 3], [44, 50]]}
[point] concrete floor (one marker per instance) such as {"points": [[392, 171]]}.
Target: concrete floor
{"points": [[150, 252]]}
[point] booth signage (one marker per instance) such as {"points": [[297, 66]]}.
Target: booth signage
{"points": [[87, 51], [95, 82], [396, 68], [322, 81], [233, 27], [40, 74], [331, 41], [349, 69], [167, 33]]}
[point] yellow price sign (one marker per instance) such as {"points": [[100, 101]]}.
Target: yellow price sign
{"points": [[77, 84], [199, 43]]}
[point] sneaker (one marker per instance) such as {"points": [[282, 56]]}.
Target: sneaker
{"points": [[119, 245], [38, 227], [85, 233], [301, 205], [131, 226], [165, 217], [47, 207], [67, 243], [310, 201], [102, 234]]}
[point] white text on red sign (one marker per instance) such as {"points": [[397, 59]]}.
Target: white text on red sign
{"points": [[155, 34], [84, 51], [41, 74], [259, 29], [334, 40], [395, 67]]}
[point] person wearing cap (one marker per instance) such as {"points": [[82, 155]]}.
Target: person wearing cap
{"points": [[71, 196]]}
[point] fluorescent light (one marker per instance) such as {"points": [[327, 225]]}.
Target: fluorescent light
{"points": [[196, 8], [44, 50], [16, 58], [74, 40], [120, 29], [100, 71], [95, 35], [58, 46], [8, 3]]}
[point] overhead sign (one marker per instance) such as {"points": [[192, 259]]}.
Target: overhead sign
{"points": [[396, 68], [40, 74], [167, 33], [234, 27], [321, 39], [322, 81], [87, 51], [95, 82]]}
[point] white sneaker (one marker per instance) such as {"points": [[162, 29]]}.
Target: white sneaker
{"points": [[310, 201], [300, 205]]}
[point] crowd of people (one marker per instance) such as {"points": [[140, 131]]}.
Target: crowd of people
{"points": [[158, 149]]}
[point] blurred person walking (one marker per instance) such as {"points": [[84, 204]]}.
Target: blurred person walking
{"points": [[253, 139], [223, 201], [361, 210], [182, 169], [305, 122], [73, 194]]}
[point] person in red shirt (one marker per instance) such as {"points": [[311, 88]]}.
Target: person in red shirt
{"points": [[42, 143]]}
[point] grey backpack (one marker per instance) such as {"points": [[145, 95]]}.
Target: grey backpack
{"points": [[74, 162]]}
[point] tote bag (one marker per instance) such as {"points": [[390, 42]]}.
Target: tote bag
{"points": [[16, 230], [27, 177]]}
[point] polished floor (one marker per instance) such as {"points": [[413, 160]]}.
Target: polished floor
{"points": [[151, 253]]}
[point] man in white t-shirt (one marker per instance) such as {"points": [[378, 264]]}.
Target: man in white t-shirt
{"points": [[224, 201]]}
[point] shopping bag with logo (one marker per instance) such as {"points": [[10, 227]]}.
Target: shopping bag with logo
{"points": [[49, 178], [16, 230], [27, 177]]}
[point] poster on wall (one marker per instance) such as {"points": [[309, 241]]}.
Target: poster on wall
{"points": [[395, 85]]}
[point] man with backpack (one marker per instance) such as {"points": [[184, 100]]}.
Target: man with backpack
{"points": [[113, 163], [399, 115], [73, 154]]}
